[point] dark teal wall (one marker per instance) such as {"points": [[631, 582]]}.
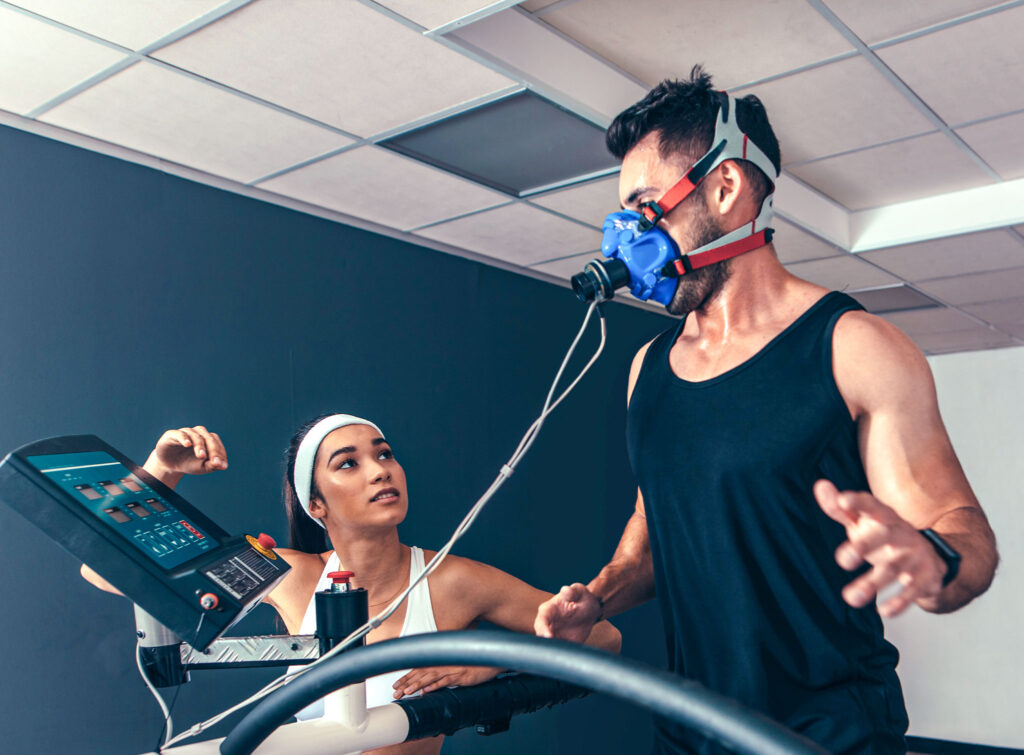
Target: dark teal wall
{"points": [[132, 301]]}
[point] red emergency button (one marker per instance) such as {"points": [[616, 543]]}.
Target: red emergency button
{"points": [[263, 544], [266, 541], [209, 601], [340, 577]]}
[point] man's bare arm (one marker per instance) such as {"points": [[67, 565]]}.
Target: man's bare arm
{"points": [[628, 579], [624, 583], [915, 478]]}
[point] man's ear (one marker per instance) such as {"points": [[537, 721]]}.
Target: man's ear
{"points": [[728, 183]]}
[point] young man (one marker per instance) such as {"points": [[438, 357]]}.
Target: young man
{"points": [[779, 435]]}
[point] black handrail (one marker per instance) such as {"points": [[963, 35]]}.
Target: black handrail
{"points": [[631, 681]]}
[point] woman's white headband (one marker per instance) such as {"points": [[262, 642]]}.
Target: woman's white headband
{"points": [[302, 476]]}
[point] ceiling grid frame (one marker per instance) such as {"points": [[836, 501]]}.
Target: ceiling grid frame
{"points": [[134, 56], [470, 18], [922, 32], [868, 54], [69, 29], [520, 77], [392, 132], [523, 83], [526, 84]]}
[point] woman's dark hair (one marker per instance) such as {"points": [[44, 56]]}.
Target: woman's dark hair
{"points": [[683, 113], [304, 534]]}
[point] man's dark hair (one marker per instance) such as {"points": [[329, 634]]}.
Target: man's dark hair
{"points": [[683, 113]]}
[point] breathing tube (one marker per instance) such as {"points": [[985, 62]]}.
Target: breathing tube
{"points": [[506, 471]]}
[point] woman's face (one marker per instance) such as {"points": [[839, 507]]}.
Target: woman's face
{"points": [[360, 482]]}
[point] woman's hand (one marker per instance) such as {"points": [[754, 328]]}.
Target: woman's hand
{"points": [[436, 677], [189, 450]]}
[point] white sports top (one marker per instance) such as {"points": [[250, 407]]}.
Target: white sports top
{"points": [[419, 619]]}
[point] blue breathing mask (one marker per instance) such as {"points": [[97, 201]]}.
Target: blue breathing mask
{"points": [[646, 254]]}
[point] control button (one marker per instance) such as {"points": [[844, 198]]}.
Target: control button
{"points": [[209, 601], [266, 541], [340, 580], [263, 545]]}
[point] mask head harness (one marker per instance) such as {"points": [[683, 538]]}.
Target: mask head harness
{"points": [[643, 257]]}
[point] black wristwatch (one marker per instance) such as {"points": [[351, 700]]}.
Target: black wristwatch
{"points": [[946, 553]]}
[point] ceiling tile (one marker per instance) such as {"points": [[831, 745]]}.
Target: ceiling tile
{"points": [[344, 64], [953, 255], [172, 116], [870, 110], [33, 71], [999, 313], [920, 167], [978, 337], [1016, 330], [589, 203], [793, 244], [653, 40], [842, 273], [966, 72], [568, 267], [878, 20], [1000, 143], [500, 233], [977, 288], [436, 12], [378, 185], [132, 24], [919, 322]]}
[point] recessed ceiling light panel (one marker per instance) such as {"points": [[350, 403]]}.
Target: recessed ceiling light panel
{"points": [[515, 145], [893, 299]]}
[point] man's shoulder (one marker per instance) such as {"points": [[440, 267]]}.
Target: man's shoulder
{"points": [[873, 336], [876, 363], [638, 358], [634, 369]]}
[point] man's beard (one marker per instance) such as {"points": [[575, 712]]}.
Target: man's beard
{"points": [[699, 287]]}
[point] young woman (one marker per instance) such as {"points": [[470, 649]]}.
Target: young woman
{"points": [[343, 484]]}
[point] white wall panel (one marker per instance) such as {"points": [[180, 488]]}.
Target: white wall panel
{"points": [[961, 672]]}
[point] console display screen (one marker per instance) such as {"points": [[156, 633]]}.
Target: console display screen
{"points": [[126, 504]]}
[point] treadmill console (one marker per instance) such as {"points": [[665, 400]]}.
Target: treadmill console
{"points": [[140, 535]]}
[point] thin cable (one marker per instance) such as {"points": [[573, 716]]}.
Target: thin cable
{"points": [[467, 521], [168, 727], [168, 721], [169, 730]]}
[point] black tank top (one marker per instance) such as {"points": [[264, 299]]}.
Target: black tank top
{"points": [[744, 557]]}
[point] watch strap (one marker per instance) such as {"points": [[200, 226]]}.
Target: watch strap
{"points": [[946, 552]]}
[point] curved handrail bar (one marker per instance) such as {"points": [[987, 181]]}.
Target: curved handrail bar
{"points": [[685, 702]]}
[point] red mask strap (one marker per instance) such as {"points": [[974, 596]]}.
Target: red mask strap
{"points": [[690, 262], [654, 211]]}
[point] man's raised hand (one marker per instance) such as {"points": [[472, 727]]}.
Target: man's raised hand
{"points": [[879, 536]]}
